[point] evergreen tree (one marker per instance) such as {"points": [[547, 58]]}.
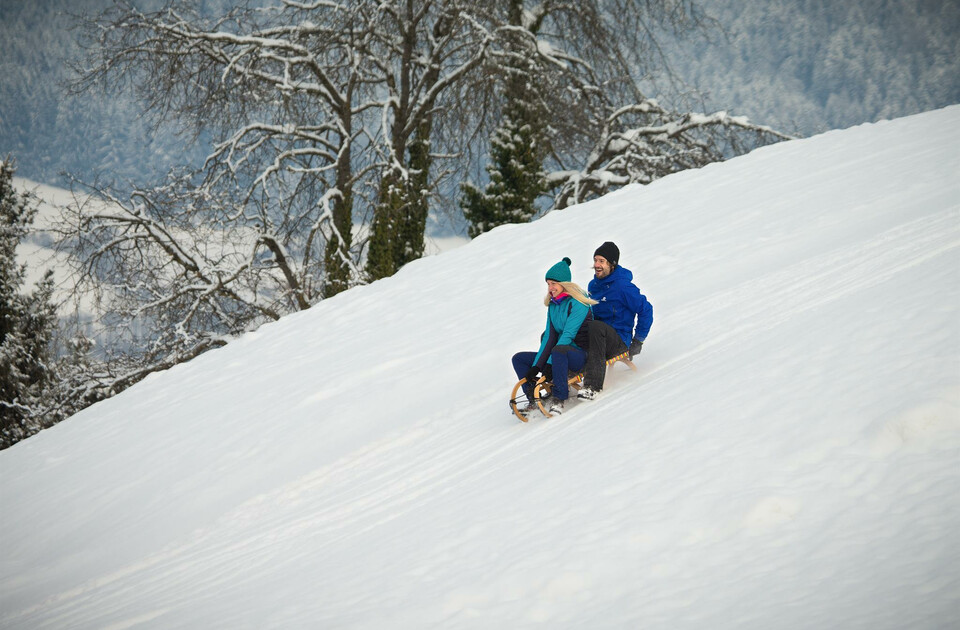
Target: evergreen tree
{"points": [[519, 144], [27, 322], [385, 254], [517, 151], [396, 233]]}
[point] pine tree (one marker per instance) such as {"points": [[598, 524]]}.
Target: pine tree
{"points": [[519, 144], [396, 234], [516, 172], [27, 322]]}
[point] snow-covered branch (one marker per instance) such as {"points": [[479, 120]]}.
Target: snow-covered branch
{"points": [[641, 142]]}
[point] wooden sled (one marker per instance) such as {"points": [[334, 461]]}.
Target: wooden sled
{"points": [[541, 390]]}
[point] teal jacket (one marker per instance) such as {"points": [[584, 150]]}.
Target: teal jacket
{"points": [[564, 319]]}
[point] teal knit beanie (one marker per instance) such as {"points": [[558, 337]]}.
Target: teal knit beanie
{"points": [[560, 272]]}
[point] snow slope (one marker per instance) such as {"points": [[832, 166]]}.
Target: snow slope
{"points": [[786, 456]]}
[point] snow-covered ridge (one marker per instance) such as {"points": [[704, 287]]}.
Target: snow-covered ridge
{"points": [[785, 456]]}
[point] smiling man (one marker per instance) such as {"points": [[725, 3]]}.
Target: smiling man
{"points": [[622, 317]]}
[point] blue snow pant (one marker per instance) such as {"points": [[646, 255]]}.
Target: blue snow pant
{"points": [[564, 359]]}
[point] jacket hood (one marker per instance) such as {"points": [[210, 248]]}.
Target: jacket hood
{"points": [[620, 274]]}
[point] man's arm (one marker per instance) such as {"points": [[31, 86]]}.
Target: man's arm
{"points": [[642, 309]]}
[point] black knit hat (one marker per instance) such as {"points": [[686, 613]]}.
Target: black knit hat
{"points": [[609, 251]]}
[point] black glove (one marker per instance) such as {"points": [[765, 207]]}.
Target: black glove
{"points": [[548, 373], [532, 374], [635, 347]]}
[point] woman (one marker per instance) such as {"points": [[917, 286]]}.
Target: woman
{"points": [[564, 339]]}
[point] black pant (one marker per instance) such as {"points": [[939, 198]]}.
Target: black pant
{"points": [[604, 344]]}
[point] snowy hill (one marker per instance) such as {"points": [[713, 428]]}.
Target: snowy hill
{"points": [[786, 456]]}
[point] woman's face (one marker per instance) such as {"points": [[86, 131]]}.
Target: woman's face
{"points": [[554, 288]]}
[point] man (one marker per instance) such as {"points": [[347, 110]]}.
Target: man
{"points": [[622, 317]]}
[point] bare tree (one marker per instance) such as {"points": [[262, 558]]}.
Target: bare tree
{"points": [[280, 90], [574, 120], [321, 115], [642, 142], [266, 225], [424, 49]]}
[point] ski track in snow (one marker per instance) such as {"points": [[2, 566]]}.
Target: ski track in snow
{"points": [[784, 457]]}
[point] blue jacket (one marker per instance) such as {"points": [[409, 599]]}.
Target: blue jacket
{"points": [[620, 304], [564, 319]]}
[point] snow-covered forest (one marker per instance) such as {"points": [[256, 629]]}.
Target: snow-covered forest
{"points": [[785, 457], [807, 66], [802, 66]]}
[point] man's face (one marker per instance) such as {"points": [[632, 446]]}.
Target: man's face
{"points": [[601, 267]]}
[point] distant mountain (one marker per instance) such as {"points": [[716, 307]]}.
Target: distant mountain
{"points": [[798, 65], [811, 65], [49, 131]]}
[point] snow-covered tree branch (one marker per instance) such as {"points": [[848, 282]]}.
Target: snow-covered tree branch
{"points": [[424, 50], [573, 120], [643, 142]]}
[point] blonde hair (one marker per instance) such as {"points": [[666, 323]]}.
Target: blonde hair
{"points": [[575, 292]]}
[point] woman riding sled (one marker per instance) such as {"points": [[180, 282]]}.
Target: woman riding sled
{"points": [[564, 339]]}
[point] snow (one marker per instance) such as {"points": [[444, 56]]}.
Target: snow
{"points": [[785, 457], [36, 250]]}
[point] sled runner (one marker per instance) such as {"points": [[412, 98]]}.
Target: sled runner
{"points": [[520, 403]]}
